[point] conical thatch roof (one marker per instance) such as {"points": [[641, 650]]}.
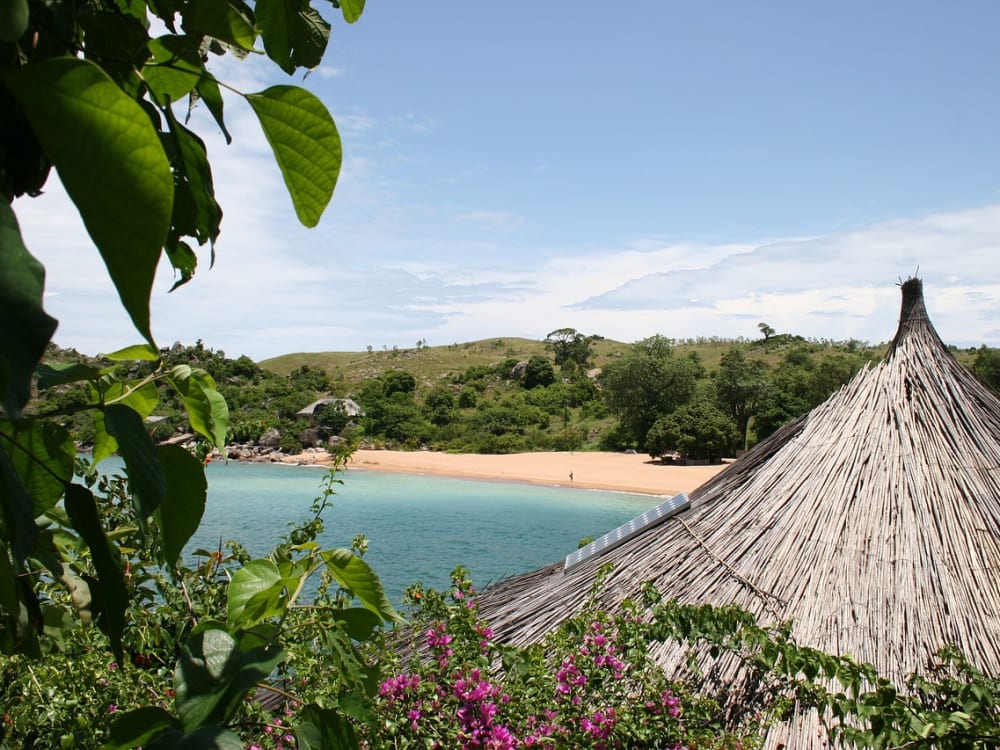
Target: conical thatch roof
{"points": [[873, 522]]}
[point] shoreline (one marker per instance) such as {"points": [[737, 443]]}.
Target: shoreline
{"points": [[614, 472]]}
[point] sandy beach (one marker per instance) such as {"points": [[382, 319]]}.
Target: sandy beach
{"points": [[604, 471]]}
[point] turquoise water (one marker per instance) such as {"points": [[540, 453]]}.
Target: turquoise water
{"points": [[418, 527]]}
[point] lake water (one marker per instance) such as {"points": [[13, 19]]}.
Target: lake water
{"points": [[418, 527]]}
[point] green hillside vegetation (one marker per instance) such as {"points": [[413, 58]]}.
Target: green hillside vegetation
{"points": [[700, 399]]}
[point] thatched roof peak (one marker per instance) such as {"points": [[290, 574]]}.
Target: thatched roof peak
{"points": [[913, 317]]}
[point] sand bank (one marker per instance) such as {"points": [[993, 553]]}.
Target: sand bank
{"points": [[605, 471]]}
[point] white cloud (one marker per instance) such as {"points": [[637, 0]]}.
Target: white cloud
{"points": [[385, 271], [832, 286], [499, 220]]}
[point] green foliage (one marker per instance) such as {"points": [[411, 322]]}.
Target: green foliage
{"points": [[25, 328], [84, 88], [37, 459], [740, 387], [200, 639], [800, 382], [310, 379], [987, 367], [566, 439], [538, 372], [334, 418], [953, 706], [797, 374], [467, 397], [570, 348], [590, 683], [439, 405], [647, 383], [108, 154], [91, 93], [697, 430], [396, 417]]}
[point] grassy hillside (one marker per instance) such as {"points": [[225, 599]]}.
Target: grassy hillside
{"points": [[430, 363], [427, 364]]}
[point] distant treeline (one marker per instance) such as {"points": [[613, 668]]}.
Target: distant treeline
{"points": [[701, 398]]}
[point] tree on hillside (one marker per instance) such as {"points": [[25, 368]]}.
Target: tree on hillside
{"points": [[570, 348], [538, 372], [439, 404], [398, 381], [646, 383], [801, 382], [312, 379], [740, 388], [766, 330], [987, 366], [697, 430]]}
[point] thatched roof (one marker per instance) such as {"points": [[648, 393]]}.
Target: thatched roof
{"points": [[873, 522]]}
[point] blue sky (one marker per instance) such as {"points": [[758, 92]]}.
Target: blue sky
{"points": [[689, 169]]}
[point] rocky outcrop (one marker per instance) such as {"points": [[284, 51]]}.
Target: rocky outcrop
{"points": [[270, 439]]}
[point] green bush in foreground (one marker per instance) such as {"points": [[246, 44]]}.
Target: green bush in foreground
{"points": [[217, 654]]}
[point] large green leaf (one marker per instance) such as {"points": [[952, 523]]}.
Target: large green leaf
{"points": [[142, 352], [208, 738], [222, 20], [359, 623], [13, 19], [206, 665], [324, 729], [115, 38], [196, 212], [305, 143], [42, 454], [138, 727], [25, 328], [206, 407], [213, 675], [63, 373], [254, 578], [174, 67], [111, 162], [16, 511], [184, 502], [355, 575], [294, 34], [208, 91], [145, 472], [143, 400], [10, 603], [352, 9], [114, 599]]}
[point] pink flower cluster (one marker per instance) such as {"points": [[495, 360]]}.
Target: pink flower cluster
{"points": [[438, 640], [277, 735], [472, 699], [586, 697], [668, 702]]}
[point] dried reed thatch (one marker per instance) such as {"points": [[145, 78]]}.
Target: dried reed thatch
{"points": [[873, 522]]}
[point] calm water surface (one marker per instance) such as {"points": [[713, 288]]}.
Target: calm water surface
{"points": [[418, 527]]}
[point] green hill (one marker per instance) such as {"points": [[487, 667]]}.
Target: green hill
{"points": [[428, 364]]}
